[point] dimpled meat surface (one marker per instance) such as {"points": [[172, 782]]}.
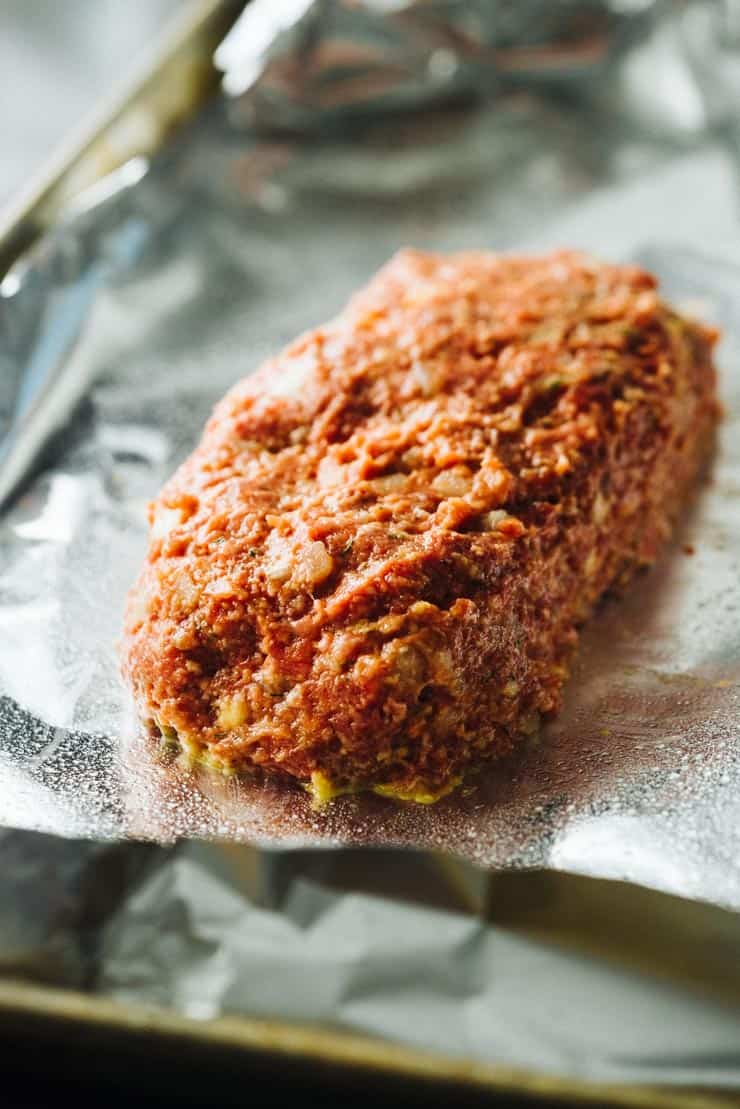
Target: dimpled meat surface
{"points": [[371, 571]]}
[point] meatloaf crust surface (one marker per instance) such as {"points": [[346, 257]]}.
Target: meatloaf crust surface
{"points": [[370, 573]]}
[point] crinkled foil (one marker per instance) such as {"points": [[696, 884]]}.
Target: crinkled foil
{"points": [[306, 63], [441, 981], [134, 316], [302, 65], [155, 302]]}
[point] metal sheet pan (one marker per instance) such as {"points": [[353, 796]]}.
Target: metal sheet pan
{"points": [[327, 1047], [201, 1053]]}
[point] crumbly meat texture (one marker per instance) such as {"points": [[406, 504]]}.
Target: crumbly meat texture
{"points": [[371, 571]]}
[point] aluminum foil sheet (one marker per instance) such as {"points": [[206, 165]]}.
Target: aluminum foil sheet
{"points": [[347, 942], [119, 332], [207, 934], [172, 280], [303, 65], [306, 63]]}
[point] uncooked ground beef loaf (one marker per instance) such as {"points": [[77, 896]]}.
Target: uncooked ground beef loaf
{"points": [[370, 573]]}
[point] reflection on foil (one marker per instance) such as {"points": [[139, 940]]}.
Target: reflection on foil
{"points": [[54, 904], [309, 62], [54, 381]]}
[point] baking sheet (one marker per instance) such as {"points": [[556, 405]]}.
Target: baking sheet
{"points": [[377, 944], [173, 279], [203, 935]]}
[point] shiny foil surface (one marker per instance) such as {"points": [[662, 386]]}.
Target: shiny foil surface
{"points": [[118, 333], [149, 305]]}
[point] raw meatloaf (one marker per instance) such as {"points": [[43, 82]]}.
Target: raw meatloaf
{"points": [[370, 573]]}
